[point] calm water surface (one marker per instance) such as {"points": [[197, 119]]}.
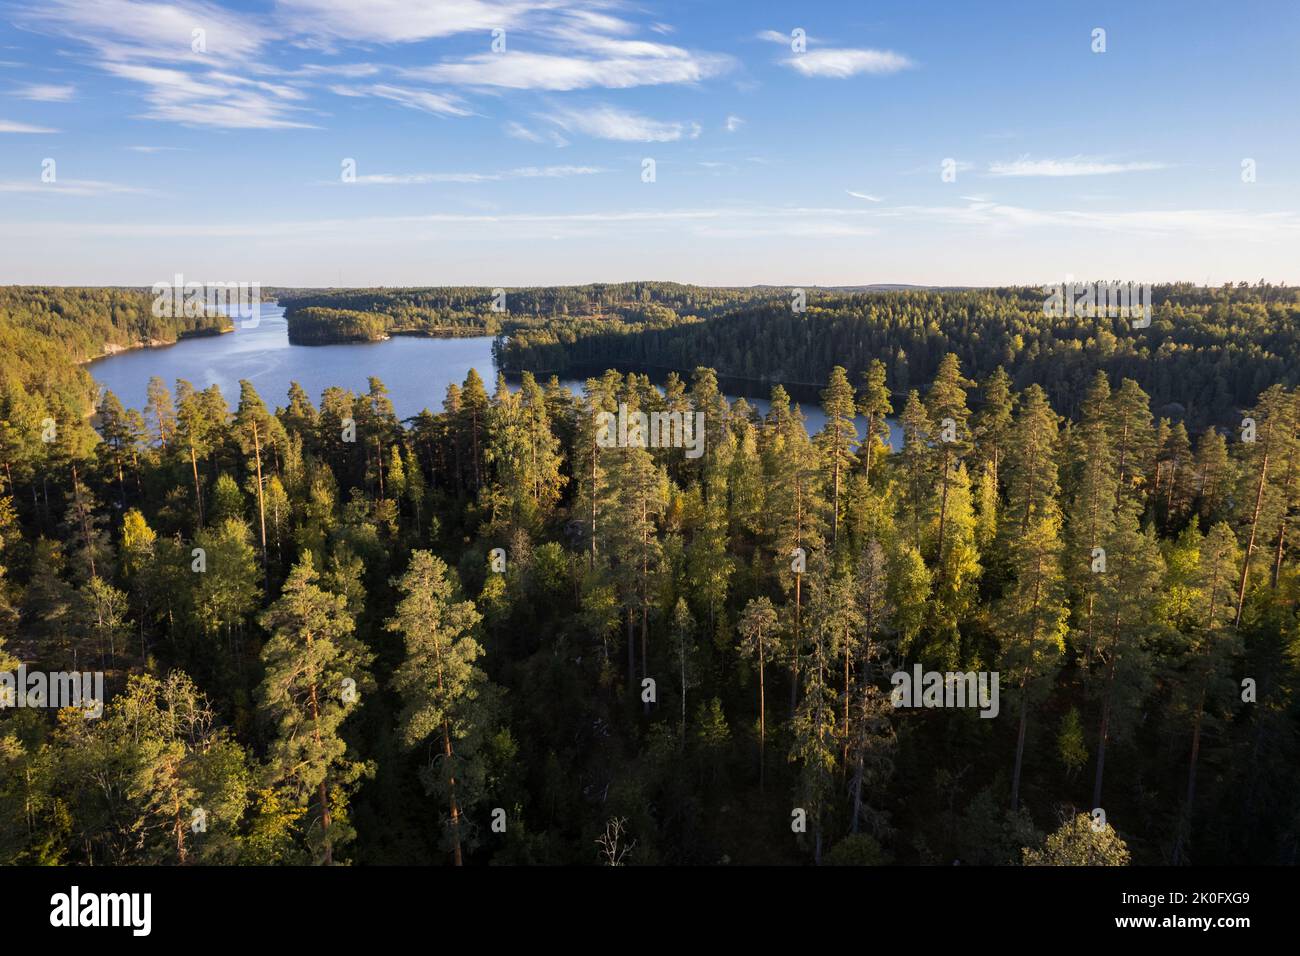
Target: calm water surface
{"points": [[416, 370]]}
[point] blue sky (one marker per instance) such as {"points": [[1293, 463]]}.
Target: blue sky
{"points": [[525, 166]]}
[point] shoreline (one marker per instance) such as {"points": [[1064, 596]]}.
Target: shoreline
{"points": [[111, 349]]}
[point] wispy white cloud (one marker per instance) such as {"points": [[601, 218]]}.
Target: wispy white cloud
{"points": [[348, 71], [401, 21], [517, 130], [523, 172], [520, 131], [561, 72], [212, 98], [867, 196], [46, 92], [9, 126], [198, 63], [137, 29], [733, 123], [69, 187], [785, 39], [157, 149], [843, 63], [427, 101], [610, 122], [721, 221], [1074, 166], [1199, 223]]}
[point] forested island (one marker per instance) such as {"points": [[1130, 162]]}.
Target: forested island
{"points": [[320, 317], [488, 635]]}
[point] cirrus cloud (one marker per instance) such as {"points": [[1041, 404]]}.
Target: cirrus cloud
{"points": [[610, 122], [558, 72], [1075, 166], [842, 63], [9, 126]]}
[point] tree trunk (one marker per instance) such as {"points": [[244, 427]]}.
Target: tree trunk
{"points": [[198, 490], [457, 858], [81, 516], [261, 504], [631, 649], [943, 515], [1186, 824], [323, 793], [871, 441], [1250, 542], [1020, 753], [1101, 751], [794, 656]]}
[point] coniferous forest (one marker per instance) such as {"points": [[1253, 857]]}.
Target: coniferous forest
{"points": [[488, 635]]}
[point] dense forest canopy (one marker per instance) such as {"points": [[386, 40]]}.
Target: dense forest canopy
{"points": [[46, 331], [1206, 354], [490, 635], [1208, 351]]}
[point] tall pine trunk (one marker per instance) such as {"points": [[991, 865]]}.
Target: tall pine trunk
{"points": [[1250, 541]]}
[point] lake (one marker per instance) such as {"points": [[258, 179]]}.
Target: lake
{"points": [[415, 370]]}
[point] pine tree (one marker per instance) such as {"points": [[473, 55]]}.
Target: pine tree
{"points": [[1031, 469], [640, 492], [1212, 642], [795, 506], [1177, 461], [991, 425], [683, 634], [162, 411], [312, 661], [1134, 437], [956, 576], [1288, 480], [836, 441], [185, 770], [1134, 570], [1031, 620], [1260, 499], [447, 701], [194, 434], [590, 468], [1079, 843], [257, 433], [757, 628], [1092, 506], [946, 407], [1213, 474], [814, 726], [915, 466], [874, 405], [871, 735], [471, 426], [542, 449]]}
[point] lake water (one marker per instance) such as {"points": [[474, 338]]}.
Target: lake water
{"points": [[415, 370]]}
